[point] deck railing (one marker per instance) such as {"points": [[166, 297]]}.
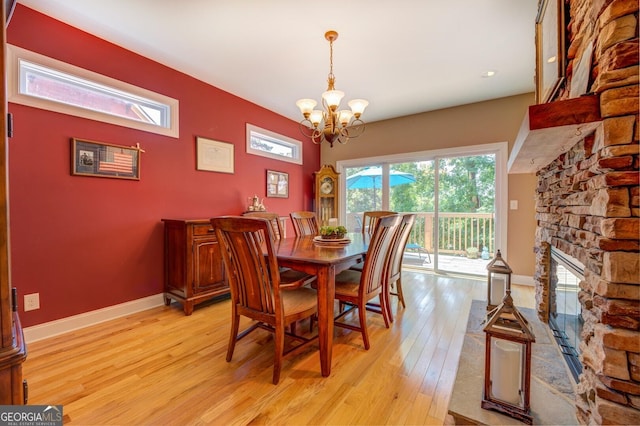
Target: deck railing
{"points": [[458, 231]]}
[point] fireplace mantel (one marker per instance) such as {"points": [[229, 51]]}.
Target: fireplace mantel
{"points": [[550, 129]]}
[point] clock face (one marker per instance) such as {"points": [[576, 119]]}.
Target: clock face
{"points": [[326, 187]]}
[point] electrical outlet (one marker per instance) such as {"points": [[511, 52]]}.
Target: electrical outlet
{"points": [[31, 302]]}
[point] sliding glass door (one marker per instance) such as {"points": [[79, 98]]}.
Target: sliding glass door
{"points": [[454, 197], [465, 213]]}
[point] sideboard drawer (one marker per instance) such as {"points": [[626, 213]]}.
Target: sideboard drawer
{"points": [[204, 229]]}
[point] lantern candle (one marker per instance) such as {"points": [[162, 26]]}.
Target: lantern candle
{"points": [[506, 371], [497, 288]]}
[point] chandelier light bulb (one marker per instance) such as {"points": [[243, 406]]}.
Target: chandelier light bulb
{"points": [[357, 106], [344, 117], [316, 117], [306, 106], [332, 98]]}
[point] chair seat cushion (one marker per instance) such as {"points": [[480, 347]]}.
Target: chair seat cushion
{"points": [[348, 283], [298, 300], [290, 278]]}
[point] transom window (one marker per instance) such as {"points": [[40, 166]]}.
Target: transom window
{"points": [[269, 144], [45, 83]]}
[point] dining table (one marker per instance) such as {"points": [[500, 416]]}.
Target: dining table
{"points": [[323, 260]]}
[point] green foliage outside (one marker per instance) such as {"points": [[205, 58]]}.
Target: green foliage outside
{"points": [[467, 184]]}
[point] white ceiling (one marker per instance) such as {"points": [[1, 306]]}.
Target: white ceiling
{"points": [[404, 56]]}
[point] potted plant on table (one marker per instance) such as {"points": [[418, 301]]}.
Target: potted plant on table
{"points": [[332, 232]]}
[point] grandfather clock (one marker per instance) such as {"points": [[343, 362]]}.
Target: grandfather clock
{"points": [[326, 194], [13, 350]]}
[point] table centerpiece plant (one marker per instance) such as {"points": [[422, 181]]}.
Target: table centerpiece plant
{"points": [[332, 232]]}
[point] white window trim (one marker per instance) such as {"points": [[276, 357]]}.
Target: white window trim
{"points": [[500, 149], [296, 159], [14, 54]]}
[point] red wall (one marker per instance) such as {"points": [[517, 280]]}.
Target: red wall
{"points": [[86, 243]]}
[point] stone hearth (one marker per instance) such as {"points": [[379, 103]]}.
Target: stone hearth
{"points": [[551, 387]]}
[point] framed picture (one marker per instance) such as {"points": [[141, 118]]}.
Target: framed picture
{"points": [[277, 184], [214, 156], [550, 45], [99, 159]]}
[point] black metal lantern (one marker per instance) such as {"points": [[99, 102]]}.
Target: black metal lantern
{"points": [[498, 281], [507, 367]]}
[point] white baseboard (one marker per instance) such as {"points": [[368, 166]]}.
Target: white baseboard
{"points": [[65, 325], [523, 280]]}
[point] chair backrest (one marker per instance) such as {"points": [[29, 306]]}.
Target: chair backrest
{"points": [[254, 279], [377, 258], [370, 219], [399, 244], [274, 221], [304, 223]]}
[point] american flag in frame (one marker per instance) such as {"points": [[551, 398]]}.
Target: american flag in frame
{"points": [[99, 159]]}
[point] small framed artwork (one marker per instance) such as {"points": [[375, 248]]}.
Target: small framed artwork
{"points": [[89, 158], [550, 44], [277, 184], [214, 156]]}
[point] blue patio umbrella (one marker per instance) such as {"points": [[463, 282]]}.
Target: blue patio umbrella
{"points": [[371, 178]]}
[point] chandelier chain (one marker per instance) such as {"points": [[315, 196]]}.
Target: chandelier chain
{"points": [[332, 78]]}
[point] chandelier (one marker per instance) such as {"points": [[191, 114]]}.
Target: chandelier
{"points": [[330, 124]]}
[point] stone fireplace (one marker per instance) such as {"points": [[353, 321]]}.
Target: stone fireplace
{"points": [[588, 208], [565, 309]]}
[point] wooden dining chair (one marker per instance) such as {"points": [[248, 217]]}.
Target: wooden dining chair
{"points": [[254, 282], [370, 218], [304, 223], [368, 225], [289, 278], [355, 288], [393, 279], [274, 221]]}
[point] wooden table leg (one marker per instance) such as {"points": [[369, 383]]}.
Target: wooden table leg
{"points": [[326, 294]]}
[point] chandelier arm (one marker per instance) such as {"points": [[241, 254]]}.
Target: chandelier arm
{"points": [[317, 137], [344, 135], [356, 128], [306, 128]]}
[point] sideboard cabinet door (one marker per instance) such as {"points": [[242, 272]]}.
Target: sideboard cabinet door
{"points": [[209, 273], [193, 266]]}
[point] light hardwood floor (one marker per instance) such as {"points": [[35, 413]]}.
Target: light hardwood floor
{"points": [[163, 368]]}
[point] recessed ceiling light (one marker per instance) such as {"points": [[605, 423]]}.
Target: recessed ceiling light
{"points": [[489, 73]]}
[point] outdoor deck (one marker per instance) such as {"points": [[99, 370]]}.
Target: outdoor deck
{"points": [[458, 264]]}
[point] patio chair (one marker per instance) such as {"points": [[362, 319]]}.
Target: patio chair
{"points": [[415, 247], [254, 282]]}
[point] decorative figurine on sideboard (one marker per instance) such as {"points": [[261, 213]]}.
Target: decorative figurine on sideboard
{"points": [[256, 205]]}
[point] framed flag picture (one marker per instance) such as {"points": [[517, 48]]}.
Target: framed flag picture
{"points": [[97, 159]]}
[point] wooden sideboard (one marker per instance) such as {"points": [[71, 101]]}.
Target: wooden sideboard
{"points": [[193, 268]]}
